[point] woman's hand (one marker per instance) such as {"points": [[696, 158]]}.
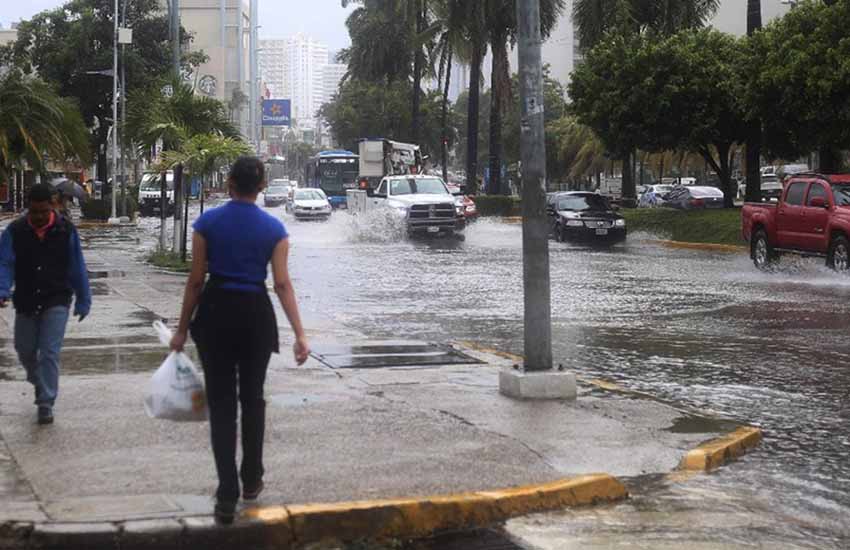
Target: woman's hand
{"points": [[178, 341], [301, 350]]}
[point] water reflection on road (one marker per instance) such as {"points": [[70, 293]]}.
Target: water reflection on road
{"points": [[697, 328]]}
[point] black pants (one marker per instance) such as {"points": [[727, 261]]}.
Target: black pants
{"points": [[235, 343]]}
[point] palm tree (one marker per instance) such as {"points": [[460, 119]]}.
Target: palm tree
{"points": [[753, 191], [173, 120], [35, 123], [500, 16]]}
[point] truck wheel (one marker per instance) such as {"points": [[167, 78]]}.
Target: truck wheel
{"points": [[762, 253], [838, 257]]}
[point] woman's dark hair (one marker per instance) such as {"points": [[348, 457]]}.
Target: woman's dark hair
{"points": [[40, 192], [247, 175]]}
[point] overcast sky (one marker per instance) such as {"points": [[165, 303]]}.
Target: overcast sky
{"points": [[325, 19]]}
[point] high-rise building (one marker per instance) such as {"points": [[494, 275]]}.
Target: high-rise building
{"points": [[220, 28], [298, 68]]}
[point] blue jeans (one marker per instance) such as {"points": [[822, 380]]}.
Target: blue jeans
{"points": [[38, 341]]}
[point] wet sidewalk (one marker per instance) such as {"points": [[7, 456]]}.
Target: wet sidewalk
{"points": [[106, 476]]}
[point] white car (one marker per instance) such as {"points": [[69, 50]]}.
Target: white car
{"points": [[309, 204], [653, 195]]}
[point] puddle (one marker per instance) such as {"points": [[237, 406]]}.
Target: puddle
{"points": [[141, 318]]}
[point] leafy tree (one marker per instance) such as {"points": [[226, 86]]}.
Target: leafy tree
{"points": [[204, 154], [64, 44], [594, 19], [36, 123], [803, 82], [363, 109], [681, 93]]}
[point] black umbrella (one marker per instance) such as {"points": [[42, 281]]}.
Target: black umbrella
{"points": [[69, 188]]}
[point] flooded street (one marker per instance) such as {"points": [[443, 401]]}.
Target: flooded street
{"points": [[697, 329]]}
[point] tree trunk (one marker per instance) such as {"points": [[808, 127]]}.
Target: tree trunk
{"points": [[163, 212], [829, 161], [629, 190], [178, 208], [722, 165], [499, 94], [418, 65], [472, 118], [753, 192], [445, 116]]}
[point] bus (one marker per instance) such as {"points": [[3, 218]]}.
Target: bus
{"points": [[333, 172]]}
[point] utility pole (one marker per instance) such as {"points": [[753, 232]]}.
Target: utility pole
{"points": [[537, 380], [253, 71], [113, 217], [178, 170], [123, 114]]}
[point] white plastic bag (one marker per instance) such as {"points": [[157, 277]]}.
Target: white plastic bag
{"points": [[176, 389]]}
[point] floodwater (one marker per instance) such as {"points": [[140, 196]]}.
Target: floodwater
{"points": [[699, 329]]}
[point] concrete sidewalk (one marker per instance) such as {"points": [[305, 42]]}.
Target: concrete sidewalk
{"points": [[441, 439], [332, 436]]}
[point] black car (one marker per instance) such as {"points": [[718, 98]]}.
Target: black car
{"points": [[587, 217]]}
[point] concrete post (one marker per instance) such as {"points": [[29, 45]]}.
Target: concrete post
{"points": [[538, 380], [535, 225]]}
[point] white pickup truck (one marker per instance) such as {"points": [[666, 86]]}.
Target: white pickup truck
{"points": [[150, 189], [423, 202]]}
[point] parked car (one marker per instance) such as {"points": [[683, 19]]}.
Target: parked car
{"points": [[812, 218], [150, 193], [587, 217], [276, 193], [694, 197], [653, 195], [309, 204]]}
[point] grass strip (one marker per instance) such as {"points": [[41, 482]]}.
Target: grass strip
{"points": [[721, 226], [170, 261]]}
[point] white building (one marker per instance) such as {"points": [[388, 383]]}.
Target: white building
{"points": [[8, 36], [294, 68], [332, 75]]}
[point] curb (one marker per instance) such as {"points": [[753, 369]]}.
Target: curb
{"points": [[285, 527], [700, 246], [718, 452]]}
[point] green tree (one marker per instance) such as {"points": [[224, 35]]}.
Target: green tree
{"points": [[36, 123], [65, 44], [594, 19], [364, 109], [204, 154], [803, 82], [683, 93]]}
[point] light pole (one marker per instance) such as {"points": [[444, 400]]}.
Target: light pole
{"points": [[537, 379]]}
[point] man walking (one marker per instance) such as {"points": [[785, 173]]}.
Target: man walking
{"points": [[41, 257]]}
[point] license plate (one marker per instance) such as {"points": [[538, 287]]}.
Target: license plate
{"points": [[433, 229], [601, 231]]}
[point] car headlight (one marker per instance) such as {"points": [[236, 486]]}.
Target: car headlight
{"points": [[400, 210], [575, 223], [620, 223], [471, 208]]}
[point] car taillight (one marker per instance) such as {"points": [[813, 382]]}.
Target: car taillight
{"points": [[697, 202]]}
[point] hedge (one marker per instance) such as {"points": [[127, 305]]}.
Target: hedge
{"points": [[497, 205]]}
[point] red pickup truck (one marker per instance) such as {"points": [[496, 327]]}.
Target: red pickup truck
{"points": [[812, 218]]}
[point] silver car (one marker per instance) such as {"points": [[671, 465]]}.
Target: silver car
{"points": [[309, 204], [694, 197], [276, 193]]}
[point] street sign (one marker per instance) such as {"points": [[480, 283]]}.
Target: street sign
{"points": [[125, 35], [277, 112]]}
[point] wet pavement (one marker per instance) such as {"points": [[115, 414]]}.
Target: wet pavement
{"points": [[697, 329]]}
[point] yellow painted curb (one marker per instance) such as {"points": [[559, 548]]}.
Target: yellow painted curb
{"points": [[717, 452], [379, 519], [701, 246]]}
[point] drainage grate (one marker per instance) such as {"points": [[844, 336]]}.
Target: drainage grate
{"points": [[479, 539], [374, 356]]}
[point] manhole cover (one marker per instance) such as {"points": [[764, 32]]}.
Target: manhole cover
{"points": [[374, 356]]}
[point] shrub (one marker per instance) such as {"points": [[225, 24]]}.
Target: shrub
{"points": [[170, 261], [497, 205]]}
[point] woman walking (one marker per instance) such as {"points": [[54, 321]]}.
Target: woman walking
{"points": [[234, 325]]}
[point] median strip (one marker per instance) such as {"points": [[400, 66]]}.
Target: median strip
{"points": [[718, 452]]}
